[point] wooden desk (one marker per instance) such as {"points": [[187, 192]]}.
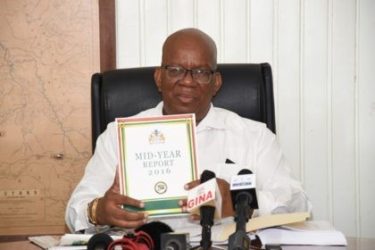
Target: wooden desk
{"points": [[16, 242], [21, 243]]}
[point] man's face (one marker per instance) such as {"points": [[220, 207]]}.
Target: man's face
{"points": [[185, 94]]}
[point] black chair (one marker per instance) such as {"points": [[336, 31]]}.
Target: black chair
{"points": [[246, 90]]}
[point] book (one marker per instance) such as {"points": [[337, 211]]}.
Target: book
{"points": [[157, 157]]}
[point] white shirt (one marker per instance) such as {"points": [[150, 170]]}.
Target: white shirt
{"points": [[221, 135]]}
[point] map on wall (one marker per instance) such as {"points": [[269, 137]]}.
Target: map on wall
{"points": [[47, 56]]}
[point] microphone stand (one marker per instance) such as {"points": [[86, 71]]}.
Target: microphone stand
{"points": [[239, 240], [207, 221]]}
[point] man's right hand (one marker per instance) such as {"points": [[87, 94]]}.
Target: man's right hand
{"points": [[109, 209]]}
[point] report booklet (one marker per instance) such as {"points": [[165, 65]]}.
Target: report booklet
{"points": [[156, 159]]}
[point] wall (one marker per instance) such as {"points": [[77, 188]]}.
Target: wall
{"points": [[322, 53], [48, 51]]}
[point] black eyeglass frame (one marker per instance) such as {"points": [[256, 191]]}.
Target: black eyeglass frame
{"points": [[193, 73]]}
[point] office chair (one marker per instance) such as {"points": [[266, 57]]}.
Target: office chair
{"points": [[246, 90]]}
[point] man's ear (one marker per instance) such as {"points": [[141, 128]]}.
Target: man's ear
{"points": [[217, 83], [157, 78]]}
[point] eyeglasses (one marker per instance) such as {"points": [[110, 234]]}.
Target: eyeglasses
{"points": [[201, 76]]}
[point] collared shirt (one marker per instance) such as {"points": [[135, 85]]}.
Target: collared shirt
{"points": [[222, 136]]}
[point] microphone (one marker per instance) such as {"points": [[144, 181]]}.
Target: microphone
{"points": [[99, 241], [145, 237], [207, 193], [175, 241], [203, 200], [244, 201], [155, 229], [207, 215]]}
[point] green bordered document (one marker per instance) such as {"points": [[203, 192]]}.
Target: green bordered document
{"points": [[156, 158]]}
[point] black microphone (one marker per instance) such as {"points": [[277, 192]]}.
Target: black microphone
{"points": [[99, 241], [207, 215], [175, 241], [147, 236], [155, 229], [244, 201]]}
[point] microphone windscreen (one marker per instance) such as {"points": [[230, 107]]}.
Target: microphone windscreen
{"points": [[245, 171], [155, 229], [242, 186], [99, 241], [207, 193], [207, 175]]}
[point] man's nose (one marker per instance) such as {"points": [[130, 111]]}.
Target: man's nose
{"points": [[188, 78]]}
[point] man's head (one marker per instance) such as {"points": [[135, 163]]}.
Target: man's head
{"points": [[188, 91]]}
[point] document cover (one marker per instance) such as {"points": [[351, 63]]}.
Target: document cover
{"points": [[156, 159]]}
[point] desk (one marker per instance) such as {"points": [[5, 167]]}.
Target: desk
{"points": [[21, 243], [16, 242]]}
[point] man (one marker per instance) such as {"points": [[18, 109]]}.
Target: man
{"points": [[188, 80]]}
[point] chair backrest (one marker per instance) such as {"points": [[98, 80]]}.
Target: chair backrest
{"points": [[247, 90]]}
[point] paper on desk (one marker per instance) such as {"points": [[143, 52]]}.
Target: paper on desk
{"points": [[68, 248], [44, 241], [307, 233], [52, 243], [227, 226]]}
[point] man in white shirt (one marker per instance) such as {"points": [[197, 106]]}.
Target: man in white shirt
{"points": [[188, 81]]}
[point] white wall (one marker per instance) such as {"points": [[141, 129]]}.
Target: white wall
{"points": [[322, 53]]}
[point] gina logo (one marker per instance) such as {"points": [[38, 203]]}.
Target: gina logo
{"points": [[156, 137], [202, 198], [160, 187]]}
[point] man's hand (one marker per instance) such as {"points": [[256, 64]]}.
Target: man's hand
{"points": [[227, 208], [109, 211]]}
